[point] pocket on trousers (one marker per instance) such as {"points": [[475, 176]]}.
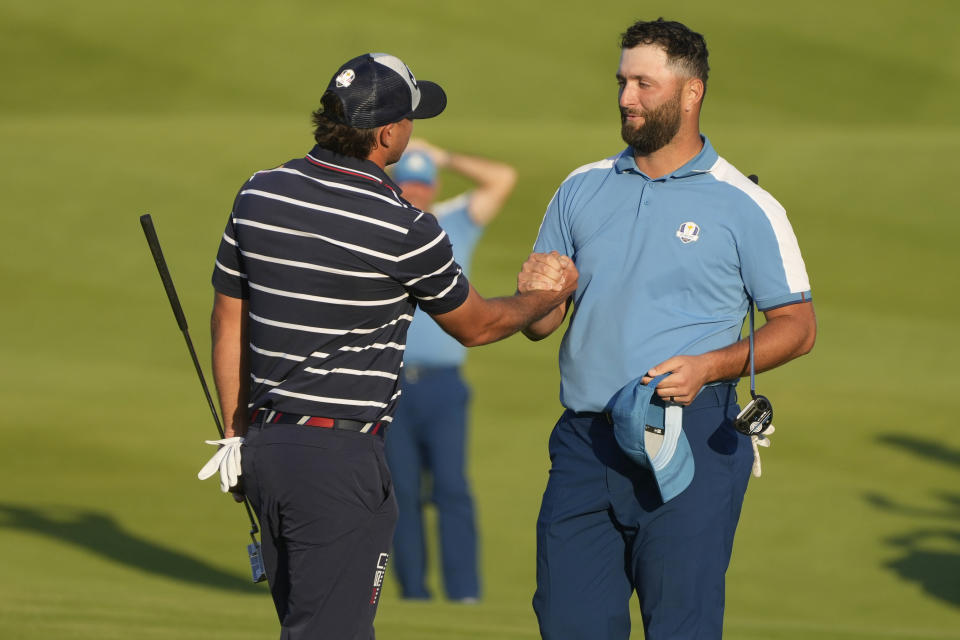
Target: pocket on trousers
{"points": [[386, 480], [376, 482]]}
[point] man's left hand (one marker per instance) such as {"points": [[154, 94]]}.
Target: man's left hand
{"points": [[226, 461], [687, 376]]}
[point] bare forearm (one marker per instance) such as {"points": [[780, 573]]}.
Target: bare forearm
{"points": [[508, 315], [230, 368], [481, 170], [540, 329], [482, 321], [780, 340], [227, 362], [494, 182], [789, 332]]}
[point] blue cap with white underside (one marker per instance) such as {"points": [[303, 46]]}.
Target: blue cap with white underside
{"points": [[671, 459]]}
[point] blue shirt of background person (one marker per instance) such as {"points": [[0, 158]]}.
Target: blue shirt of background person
{"points": [[427, 344], [428, 435]]}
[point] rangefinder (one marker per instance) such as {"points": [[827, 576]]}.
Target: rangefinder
{"points": [[755, 418]]}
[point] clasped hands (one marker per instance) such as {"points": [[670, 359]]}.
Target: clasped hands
{"points": [[555, 272], [548, 272]]}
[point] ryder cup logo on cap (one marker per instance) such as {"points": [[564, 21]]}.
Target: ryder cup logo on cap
{"points": [[376, 89], [652, 435], [345, 78], [688, 232]]}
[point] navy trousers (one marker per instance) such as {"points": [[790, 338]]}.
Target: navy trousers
{"points": [[429, 434], [603, 532], [326, 509]]}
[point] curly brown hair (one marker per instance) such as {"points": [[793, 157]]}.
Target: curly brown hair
{"points": [[337, 137], [686, 49]]}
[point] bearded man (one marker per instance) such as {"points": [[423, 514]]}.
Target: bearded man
{"points": [[672, 244]]}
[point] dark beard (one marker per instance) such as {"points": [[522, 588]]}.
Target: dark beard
{"points": [[659, 127]]}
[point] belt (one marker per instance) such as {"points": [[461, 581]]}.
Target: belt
{"points": [[593, 415], [714, 394], [267, 416]]}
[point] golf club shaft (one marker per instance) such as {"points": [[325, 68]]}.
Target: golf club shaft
{"points": [[154, 242]]}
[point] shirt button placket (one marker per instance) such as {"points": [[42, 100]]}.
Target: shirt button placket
{"points": [[643, 196]]}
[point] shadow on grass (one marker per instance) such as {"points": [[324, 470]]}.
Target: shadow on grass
{"points": [[930, 556], [100, 533]]}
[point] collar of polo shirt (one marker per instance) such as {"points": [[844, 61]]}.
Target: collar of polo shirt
{"points": [[703, 162]]}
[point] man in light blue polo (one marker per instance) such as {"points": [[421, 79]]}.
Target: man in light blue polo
{"points": [[429, 430], [672, 243]]}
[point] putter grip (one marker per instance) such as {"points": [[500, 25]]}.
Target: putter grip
{"points": [[147, 223]]}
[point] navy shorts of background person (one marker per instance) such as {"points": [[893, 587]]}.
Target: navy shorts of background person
{"points": [[671, 242], [317, 277], [428, 436]]}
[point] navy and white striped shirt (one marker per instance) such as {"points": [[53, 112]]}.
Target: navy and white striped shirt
{"points": [[333, 262]]}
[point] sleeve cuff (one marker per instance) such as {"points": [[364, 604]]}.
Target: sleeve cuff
{"points": [[767, 304]]}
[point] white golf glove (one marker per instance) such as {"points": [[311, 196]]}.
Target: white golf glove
{"points": [[759, 441], [226, 460]]}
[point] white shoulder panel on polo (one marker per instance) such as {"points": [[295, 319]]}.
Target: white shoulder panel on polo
{"points": [[793, 265]]}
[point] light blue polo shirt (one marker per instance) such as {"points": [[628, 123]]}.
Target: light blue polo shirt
{"points": [[665, 266], [427, 344]]}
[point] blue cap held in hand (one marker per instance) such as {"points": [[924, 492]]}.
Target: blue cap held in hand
{"points": [[633, 409]]}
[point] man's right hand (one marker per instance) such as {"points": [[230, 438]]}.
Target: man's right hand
{"points": [[548, 272], [545, 284]]}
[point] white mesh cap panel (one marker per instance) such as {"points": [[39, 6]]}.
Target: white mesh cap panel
{"points": [[403, 70]]}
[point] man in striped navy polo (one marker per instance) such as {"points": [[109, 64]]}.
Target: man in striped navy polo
{"points": [[673, 244], [319, 271]]}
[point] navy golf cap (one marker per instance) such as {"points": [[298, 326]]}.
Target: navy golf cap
{"points": [[633, 408], [376, 89]]}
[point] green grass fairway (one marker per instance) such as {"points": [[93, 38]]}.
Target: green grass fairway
{"points": [[108, 110]]}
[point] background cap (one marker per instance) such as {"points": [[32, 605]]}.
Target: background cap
{"points": [[376, 89], [632, 410], [415, 166]]}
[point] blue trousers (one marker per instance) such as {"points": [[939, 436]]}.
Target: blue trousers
{"points": [[429, 434], [603, 532]]}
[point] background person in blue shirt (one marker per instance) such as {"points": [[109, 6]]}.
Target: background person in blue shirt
{"points": [[429, 431], [671, 242]]}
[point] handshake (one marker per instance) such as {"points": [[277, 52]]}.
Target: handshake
{"points": [[548, 272]]}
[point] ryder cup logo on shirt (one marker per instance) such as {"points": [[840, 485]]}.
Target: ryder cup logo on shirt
{"points": [[346, 77], [688, 232]]}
